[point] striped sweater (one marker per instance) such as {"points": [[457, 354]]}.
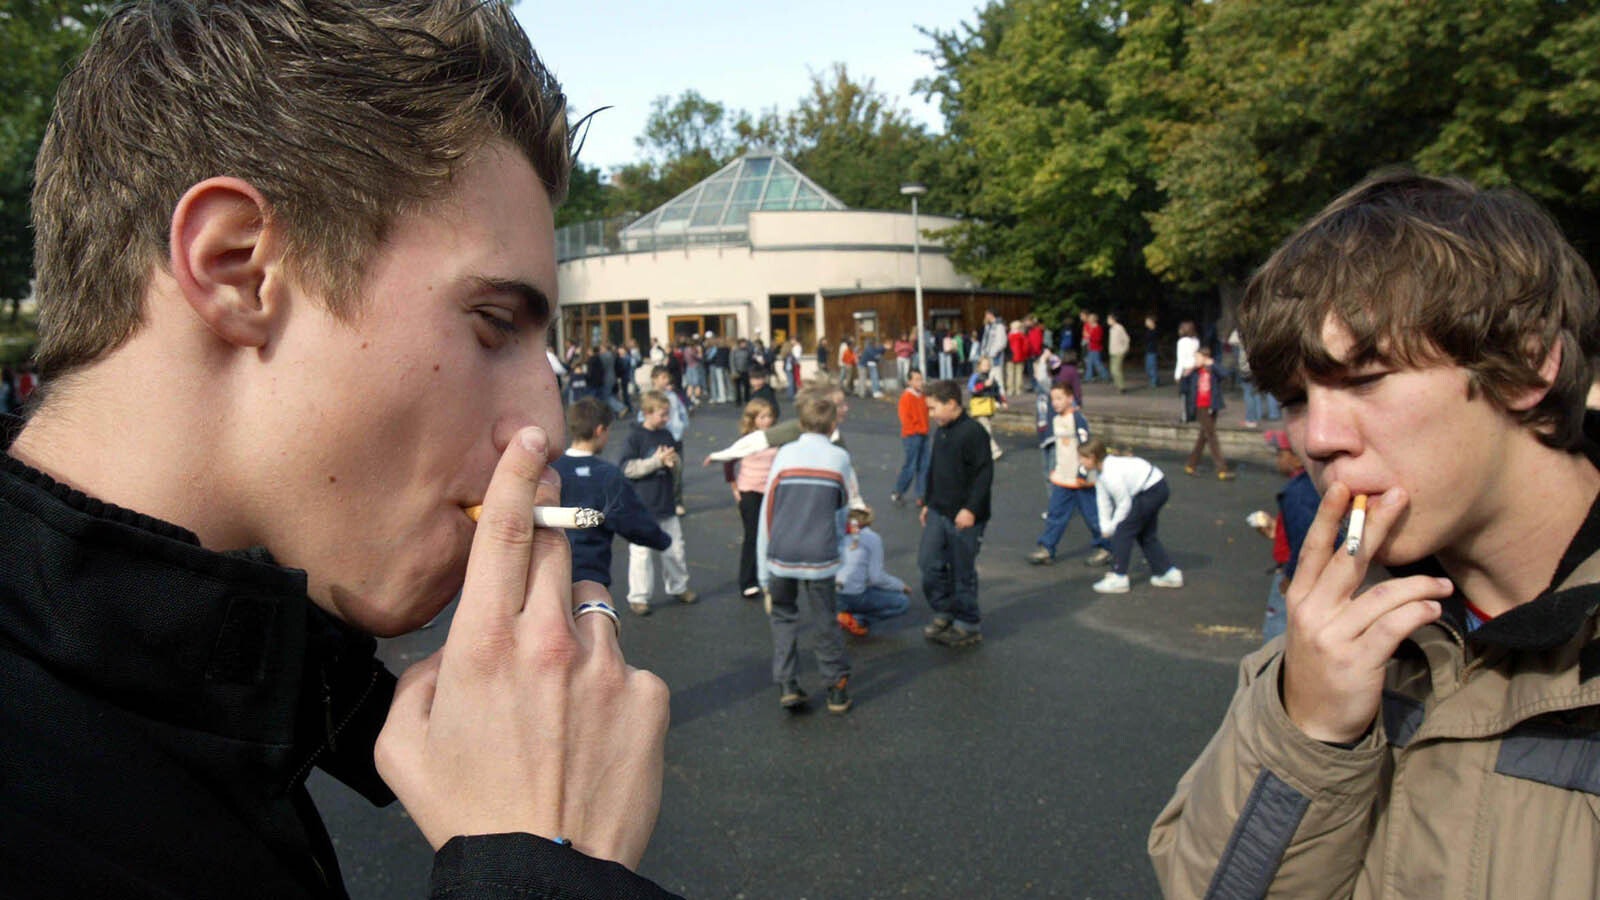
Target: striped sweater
{"points": [[802, 525]]}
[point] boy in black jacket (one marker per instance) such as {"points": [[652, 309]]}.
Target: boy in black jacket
{"points": [[649, 456], [589, 481], [960, 473]]}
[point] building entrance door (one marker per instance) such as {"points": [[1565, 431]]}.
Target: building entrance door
{"points": [[685, 327]]}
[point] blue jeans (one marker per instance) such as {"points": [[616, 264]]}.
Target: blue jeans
{"points": [[1140, 525], [915, 468], [1276, 619], [1063, 503], [948, 558], [1094, 363], [946, 366], [872, 372], [874, 605], [1257, 400], [1152, 368]]}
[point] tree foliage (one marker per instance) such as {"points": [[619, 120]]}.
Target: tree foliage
{"points": [[849, 138], [39, 39], [1096, 146]]}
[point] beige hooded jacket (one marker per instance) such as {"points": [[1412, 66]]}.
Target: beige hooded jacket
{"points": [[1481, 778]]}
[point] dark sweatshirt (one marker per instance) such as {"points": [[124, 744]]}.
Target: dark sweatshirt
{"points": [[654, 488], [960, 471], [592, 482]]}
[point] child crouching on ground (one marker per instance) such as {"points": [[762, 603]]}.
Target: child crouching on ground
{"points": [[867, 594], [649, 457], [1131, 492], [800, 549], [589, 481]]}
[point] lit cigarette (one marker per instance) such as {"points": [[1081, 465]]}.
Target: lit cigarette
{"points": [[1358, 523], [574, 517]]}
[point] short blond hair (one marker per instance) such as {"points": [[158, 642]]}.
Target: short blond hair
{"points": [[816, 410], [650, 401]]}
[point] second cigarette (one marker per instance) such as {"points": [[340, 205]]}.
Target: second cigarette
{"points": [[1358, 523]]}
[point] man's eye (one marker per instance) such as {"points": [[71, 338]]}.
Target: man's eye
{"points": [[498, 319]]}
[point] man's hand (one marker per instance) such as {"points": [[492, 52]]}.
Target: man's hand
{"points": [[965, 519], [526, 721], [922, 516], [1339, 642]]}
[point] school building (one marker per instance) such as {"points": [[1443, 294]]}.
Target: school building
{"points": [[760, 250]]}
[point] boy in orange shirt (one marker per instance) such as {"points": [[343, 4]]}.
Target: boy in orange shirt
{"points": [[914, 435]]}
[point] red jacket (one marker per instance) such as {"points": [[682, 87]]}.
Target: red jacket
{"points": [[1094, 337], [1035, 342], [1019, 346]]}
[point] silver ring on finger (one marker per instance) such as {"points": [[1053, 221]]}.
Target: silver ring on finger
{"points": [[599, 607]]}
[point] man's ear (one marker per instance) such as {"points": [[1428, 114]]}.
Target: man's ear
{"points": [[1528, 398], [222, 257]]}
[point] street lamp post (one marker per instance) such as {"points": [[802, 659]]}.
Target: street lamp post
{"points": [[914, 190]]}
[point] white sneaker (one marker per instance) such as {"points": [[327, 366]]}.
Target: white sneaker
{"points": [[1172, 578], [1112, 583]]}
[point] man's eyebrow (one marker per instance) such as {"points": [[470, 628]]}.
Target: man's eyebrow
{"points": [[535, 304]]}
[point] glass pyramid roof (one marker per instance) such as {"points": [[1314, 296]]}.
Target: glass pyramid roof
{"points": [[717, 210]]}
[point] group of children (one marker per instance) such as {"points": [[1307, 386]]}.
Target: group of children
{"points": [[823, 570]]}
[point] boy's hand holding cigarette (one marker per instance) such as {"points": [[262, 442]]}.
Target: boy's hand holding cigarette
{"points": [[527, 721], [1339, 640]]}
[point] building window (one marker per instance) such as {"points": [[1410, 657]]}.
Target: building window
{"points": [[615, 322], [794, 317]]}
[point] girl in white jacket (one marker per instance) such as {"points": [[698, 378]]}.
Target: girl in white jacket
{"points": [[1130, 492]]}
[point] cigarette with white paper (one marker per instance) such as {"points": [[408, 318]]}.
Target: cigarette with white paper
{"points": [[572, 517], [1358, 523]]}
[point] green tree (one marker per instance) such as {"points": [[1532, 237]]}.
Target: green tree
{"points": [[39, 40], [849, 138], [1285, 104], [684, 140], [1049, 108]]}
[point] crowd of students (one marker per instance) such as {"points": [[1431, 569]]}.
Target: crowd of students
{"points": [[824, 570]]}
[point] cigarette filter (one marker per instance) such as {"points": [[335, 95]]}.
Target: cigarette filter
{"points": [[573, 517], [1358, 524]]}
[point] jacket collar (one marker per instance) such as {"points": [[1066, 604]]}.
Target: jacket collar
{"points": [[226, 644]]}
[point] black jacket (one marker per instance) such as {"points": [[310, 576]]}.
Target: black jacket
{"points": [[960, 470], [163, 704]]}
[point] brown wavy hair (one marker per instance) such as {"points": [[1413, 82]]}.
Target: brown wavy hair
{"points": [[343, 113], [1424, 270]]}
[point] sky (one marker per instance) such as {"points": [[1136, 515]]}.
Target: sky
{"points": [[753, 55]]}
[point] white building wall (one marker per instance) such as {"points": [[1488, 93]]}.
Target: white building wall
{"points": [[789, 253]]}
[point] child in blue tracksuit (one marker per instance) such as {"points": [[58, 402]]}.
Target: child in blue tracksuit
{"points": [[800, 549], [867, 594], [1071, 490], [589, 481]]}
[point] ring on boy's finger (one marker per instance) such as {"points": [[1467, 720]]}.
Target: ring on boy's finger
{"points": [[599, 607]]}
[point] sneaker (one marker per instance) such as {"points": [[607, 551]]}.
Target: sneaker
{"points": [[839, 696], [681, 510], [852, 624], [750, 593], [1171, 578], [1112, 583], [639, 607], [1100, 557], [957, 636], [1226, 475], [686, 597], [1045, 515], [897, 498], [790, 696], [1188, 470], [1041, 557], [938, 626]]}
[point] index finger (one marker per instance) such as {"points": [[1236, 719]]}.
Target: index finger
{"points": [[502, 549], [1321, 539]]}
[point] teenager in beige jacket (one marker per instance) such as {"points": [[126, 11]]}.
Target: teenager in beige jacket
{"points": [[1433, 734]]}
